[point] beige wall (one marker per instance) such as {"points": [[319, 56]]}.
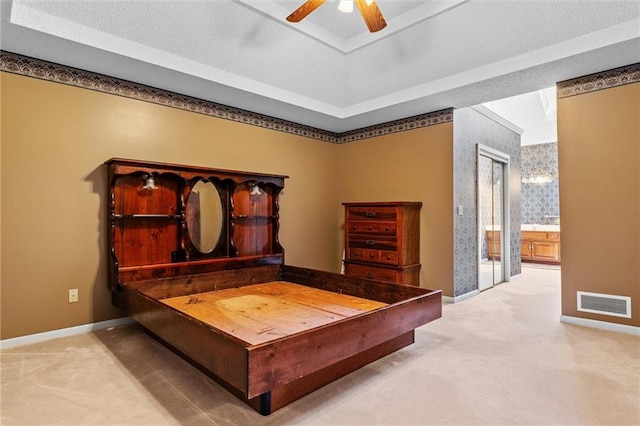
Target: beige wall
{"points": [[54, 141], [599, 168], [416, 165], [56, 137]]}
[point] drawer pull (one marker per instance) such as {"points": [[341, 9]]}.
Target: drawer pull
{"points": [[388, 257], [386, 228], [370, 214], [371, 256], [371, 242], [370, 275], [370, 227]]}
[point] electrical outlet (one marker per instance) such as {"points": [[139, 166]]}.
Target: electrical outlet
{"points": [[73, 295]]}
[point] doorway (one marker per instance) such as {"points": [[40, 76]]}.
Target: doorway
{"points": [[493, 217]]}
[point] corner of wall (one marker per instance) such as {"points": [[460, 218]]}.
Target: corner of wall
{"points": [[599, 172]]}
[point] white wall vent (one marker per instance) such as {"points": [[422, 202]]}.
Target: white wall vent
{"points": [[605, 304]]}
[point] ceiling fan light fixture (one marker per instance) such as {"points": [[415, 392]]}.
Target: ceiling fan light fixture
{"points": [[346, 6], [368, 9]]}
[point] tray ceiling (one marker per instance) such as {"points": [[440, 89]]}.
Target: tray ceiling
{"points": [[328, 71]]}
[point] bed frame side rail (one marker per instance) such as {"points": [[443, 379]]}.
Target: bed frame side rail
{"points": [[274, 365]]}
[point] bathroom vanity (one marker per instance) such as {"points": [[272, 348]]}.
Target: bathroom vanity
{"points": [[538, 243]]}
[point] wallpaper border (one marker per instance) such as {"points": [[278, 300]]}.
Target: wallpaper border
{"points": [[30, 67], [599, 81]]}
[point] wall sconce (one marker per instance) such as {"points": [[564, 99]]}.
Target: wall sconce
{"points": [[148, 182], [255, 190]]}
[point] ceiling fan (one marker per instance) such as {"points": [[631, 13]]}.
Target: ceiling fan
{"points": [[368, 9]]}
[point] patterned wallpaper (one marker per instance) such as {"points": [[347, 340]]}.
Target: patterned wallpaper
{"points": [[471, 128], [598, 81], [540, 193]]}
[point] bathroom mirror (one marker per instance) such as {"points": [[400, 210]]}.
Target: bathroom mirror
{"points": [[204, 216]]}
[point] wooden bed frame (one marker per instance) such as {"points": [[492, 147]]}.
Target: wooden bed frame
{"points": [[268, 332]]}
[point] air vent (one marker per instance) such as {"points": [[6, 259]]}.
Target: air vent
{"points": [[605, 304]]}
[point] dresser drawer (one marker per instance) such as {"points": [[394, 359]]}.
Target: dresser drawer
{"points": [[372, 227], [355, 253], [364, 226], [372, 255], [372, 273], [379, 242], [363, 255], [387, 227], [373, 213], [389, 257]]}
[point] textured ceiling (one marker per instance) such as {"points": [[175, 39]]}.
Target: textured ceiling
{"points": [[329, 71], [534, 113]]}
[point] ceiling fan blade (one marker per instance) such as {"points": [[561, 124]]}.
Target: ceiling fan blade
{"points": [[300, 13], [371, 15]]}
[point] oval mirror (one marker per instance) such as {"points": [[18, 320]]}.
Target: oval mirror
{"points": [[204, 216]]}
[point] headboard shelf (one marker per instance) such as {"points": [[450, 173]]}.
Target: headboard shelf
{"points": [[170, 219], [126, 166], [147, 216]]}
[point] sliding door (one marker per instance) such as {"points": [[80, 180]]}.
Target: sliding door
{"points": [[493, 220]]}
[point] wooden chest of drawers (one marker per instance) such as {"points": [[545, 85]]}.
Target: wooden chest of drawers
{"points": [[382, 241]]}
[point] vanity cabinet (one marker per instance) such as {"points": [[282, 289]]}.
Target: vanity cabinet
{"points": [[535, 246], [493, 245], [382, 241], [540, 246]]}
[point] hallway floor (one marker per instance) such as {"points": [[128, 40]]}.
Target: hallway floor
{"points": [[501, 357]]}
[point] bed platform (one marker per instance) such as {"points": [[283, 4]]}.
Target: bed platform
{"points": [[268, 332]]}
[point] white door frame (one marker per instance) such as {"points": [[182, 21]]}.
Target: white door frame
{"points": [[505, 227]]}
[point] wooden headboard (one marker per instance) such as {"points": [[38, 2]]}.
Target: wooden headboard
{"points": [[170, 220]]}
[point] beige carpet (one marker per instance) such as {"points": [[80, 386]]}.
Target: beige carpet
{"points": [[501, 357]]}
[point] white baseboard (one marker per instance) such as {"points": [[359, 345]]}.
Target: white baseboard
{"points": [[460, 298], [602, 325], [63, 332]]}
